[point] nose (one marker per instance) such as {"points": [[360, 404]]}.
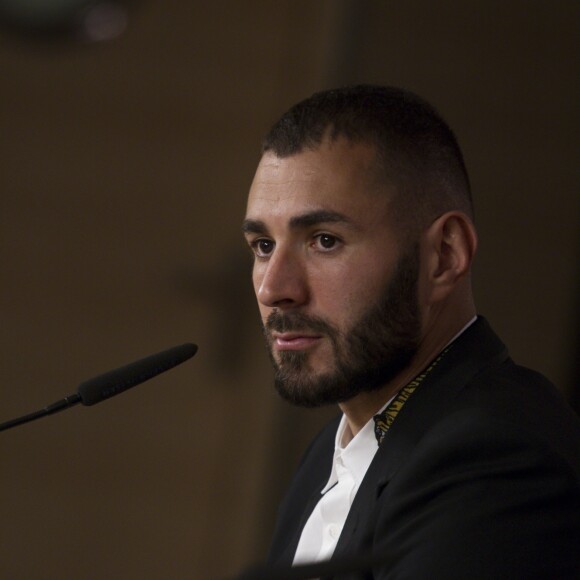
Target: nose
{"points": [[281, 282]]}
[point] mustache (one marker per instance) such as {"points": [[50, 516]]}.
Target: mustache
{"points": [[296, 321]]}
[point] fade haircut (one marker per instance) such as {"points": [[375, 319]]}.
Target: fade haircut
{"points": [[418, 154]]}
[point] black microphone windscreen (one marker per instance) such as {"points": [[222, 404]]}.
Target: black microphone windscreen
{"points": [[114, 382]]}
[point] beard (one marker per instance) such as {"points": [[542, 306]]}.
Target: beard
{"points": [[366, 356]]}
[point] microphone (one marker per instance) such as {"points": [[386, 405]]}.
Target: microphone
{"points": [[114, 382]]}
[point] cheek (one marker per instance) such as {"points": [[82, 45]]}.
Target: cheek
{"points": [[255, 281], [345, 292], [257, 277]]}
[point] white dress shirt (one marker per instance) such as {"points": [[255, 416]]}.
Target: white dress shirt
{"points": [[349, 465]]}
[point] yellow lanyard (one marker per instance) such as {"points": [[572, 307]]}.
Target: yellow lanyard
{"points": [[384, 420]]}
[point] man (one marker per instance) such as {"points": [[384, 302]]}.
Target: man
{"points": [[449, 461]]}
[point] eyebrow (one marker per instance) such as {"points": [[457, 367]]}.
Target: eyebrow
{"points": [[305, 220]]}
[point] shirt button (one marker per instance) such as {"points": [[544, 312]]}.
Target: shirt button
{"points": [[333, 531]]}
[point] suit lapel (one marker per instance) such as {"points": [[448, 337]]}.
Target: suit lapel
{"points": [[303, 495], [477, 348]]}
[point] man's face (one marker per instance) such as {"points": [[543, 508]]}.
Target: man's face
{"points": [[336, 291]]}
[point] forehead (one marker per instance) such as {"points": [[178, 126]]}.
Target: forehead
{"points": [[337, 176]]}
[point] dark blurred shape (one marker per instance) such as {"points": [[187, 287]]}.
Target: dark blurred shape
{"points": [[73, 20], [349, 22]]}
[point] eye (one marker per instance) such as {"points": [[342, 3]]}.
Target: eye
{"points": [[326, 241], [262, 247]]}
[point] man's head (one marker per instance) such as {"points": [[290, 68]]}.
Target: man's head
{"points": [[417, 153], [348, 185]]}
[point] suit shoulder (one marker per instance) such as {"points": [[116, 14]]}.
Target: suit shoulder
{"points": [[517, 400]]}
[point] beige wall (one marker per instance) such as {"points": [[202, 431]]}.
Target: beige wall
{"points": [[123, 174]]}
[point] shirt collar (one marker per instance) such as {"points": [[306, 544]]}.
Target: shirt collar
{"points": [[461, 331], [359, 452]]}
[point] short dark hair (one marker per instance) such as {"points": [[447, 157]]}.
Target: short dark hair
{"points": [[418, 151]]}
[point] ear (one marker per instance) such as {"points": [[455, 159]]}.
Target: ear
{"points": [[450, 244]]}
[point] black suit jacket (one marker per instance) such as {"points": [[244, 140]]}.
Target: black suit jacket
{"points": [[479, 477]]}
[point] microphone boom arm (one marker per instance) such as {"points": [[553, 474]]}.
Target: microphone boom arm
{"points": [[114, 382], [61, 405]]}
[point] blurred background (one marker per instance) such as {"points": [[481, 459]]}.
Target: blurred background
{"points": [[129, 135]]}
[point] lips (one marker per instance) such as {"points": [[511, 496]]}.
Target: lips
{"points": [[293, 340]]}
